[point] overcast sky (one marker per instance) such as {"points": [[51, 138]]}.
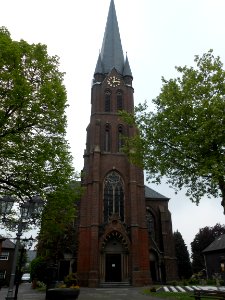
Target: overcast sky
{"points": [[157, 36]]}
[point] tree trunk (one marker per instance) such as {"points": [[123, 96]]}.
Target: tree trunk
{"points": [[222, 188]]}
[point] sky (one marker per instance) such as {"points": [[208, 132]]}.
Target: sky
{"points": [[157, 36]]}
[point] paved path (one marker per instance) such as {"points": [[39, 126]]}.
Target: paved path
{"points": [[131, 293]]}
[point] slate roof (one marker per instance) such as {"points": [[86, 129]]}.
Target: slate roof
{"points": [[7, 244], [2, 238], [218, 244], [150, 193], [111, 55]]}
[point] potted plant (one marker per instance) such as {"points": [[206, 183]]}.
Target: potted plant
{"points": [[68, 290]]}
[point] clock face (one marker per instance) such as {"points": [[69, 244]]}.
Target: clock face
{"points": [[113, 81]]}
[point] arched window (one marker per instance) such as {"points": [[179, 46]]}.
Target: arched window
{"points": [[119, 98], [107, 101], [113, 196], [120, 137], [150, 223], [107, 138]]}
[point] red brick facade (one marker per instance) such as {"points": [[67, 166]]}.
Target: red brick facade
{"points": [[114, 240]]}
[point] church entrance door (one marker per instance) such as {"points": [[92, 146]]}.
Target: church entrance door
{"points": [[114, 259], [113, 267]]}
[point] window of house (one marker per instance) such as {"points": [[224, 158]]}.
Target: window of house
{"points": [[4, 256], [119, 98], [2, 274], [120, 138], [107, 138], [107, 101], [113, 196]]}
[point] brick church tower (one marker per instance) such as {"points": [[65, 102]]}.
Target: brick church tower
{"points": [[113, 228]]}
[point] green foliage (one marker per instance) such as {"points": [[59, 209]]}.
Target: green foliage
{"points": [[183, 258], [41, 286], [71, 280], [34, 154], [58, 226], [203, 239], [184, 140], [194, 280], [170, 295], [38, 268]]}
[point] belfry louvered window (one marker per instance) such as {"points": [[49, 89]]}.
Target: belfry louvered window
{"points": [[120, 137], [113, 196], [119, 97], [107, 101], [107, 138]]}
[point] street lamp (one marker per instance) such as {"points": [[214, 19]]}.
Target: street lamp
{"points": [[6, 204], [30, 209]]}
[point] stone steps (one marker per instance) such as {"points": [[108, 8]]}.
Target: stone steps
{"points": [[114, 284]]}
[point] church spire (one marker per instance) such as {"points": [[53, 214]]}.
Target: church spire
{"points": [[111, 55]]}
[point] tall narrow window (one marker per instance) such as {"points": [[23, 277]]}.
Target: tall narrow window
{"points": [[107, 101], [120, 137], [119, 98], [150, 223], [107, 138], [113, 196], [2, 274]]}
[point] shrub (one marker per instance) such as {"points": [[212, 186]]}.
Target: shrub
{"points": [[71, 280], [38, 269], [193, 281], [152, 289]]}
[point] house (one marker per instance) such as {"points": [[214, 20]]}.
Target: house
{"points": [[6, 259], [214, 256]]}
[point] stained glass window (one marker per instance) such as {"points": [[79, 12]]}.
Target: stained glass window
{"points": [[113, 196]]}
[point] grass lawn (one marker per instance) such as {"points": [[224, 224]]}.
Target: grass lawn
{"points": [[171, 295]]}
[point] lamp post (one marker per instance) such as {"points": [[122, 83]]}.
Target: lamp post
{"points": [[23, 243], [28, 210]]}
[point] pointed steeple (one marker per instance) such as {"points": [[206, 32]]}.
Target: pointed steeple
{"points": [[98, 68], [127, 69], [111, 55]]}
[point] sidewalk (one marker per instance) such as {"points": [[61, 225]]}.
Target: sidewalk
{"points": [[25, 293], [131, 293]]}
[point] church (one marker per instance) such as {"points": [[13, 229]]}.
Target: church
{"points": [[125, 228]]}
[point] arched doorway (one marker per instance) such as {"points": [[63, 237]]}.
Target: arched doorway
{"points": [[154, 266], [113, 253], [114, 258]]}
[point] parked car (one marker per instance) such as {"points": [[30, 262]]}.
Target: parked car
{"points": [[25, 277]]}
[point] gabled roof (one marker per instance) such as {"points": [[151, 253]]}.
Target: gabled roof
{"points": [[150, 193], [2, 238], [7, 244], [218, 244], [111, 55]]}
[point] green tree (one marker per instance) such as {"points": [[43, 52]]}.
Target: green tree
{"points": [[183, 257], [58, 226], [34, 154], [184, 139], [203, 239], [38, 268]]}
